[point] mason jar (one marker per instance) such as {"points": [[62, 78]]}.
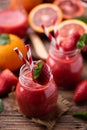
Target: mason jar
{"points": [[34, 99], [66, 66]]}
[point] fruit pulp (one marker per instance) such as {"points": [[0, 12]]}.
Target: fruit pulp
{"points": [[64, 32], [13, 21], [70, 8], [36, 100], [44, 16], [66, 68]]}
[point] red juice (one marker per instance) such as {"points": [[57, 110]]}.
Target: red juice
{"points": [[13, 21], [35, 100], [66, 67]]}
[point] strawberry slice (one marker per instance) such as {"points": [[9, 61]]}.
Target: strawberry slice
{"points": [[41, 73], [69, 43], [81, 92], [7, 81]]}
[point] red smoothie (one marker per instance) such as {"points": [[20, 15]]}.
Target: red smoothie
{"points": [[13, 21], [66, 66], [35, 100]]}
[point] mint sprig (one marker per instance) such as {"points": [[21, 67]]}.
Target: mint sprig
{"points": [[4, 39], [81, 18], [82, 41], [81, 115], [1, 106], [37, 70]]}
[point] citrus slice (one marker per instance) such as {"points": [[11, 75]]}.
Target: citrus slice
{"points": [[44, 14], [66, 26], [70, 8]]}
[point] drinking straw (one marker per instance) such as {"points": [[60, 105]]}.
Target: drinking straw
{"points": [[29, 56], [48, 34], [56, 34], [19, 53]]}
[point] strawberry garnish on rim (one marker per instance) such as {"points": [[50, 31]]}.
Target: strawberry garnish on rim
{"points": [[69, 43], [41, 73]]}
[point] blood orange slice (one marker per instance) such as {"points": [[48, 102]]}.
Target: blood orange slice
{"points": [[44, 14], [70, 8], [66, 26]]}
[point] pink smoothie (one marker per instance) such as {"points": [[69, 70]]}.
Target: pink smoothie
{"points": [[36, 100], [66, 67], [13, 21]]}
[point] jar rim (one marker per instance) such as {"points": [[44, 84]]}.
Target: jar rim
{"points": [[24, 70], [75, 51]]}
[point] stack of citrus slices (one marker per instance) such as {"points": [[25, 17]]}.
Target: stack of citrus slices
{"points": [[46, 13]]}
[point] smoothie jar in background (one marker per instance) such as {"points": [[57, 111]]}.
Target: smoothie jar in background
{"points": [[13, 18], [66, 66], [34, 99]]}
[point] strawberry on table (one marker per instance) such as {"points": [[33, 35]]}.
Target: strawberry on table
{"points": [[41, 73], [81, 92], [7, 81]]}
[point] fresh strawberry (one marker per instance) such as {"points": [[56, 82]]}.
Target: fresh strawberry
{"points": [[70, 42], [41, 73], [7, 81], [81, 92]]}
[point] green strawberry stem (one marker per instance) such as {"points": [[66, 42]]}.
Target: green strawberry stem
{"points": [[82, 42], [81, 115], [37, 70], [4, 39]]}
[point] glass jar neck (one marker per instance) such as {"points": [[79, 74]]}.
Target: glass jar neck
{"points": [[25, 77], [61, 54]]}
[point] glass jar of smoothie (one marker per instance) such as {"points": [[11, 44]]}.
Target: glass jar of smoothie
{"points": [[34, 99], [66, 66], [13, 18]]}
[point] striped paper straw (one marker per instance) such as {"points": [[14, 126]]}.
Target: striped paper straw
{"points": [[19, 53], [56, 33], [29, 56], [57, 36], [51, 38]]}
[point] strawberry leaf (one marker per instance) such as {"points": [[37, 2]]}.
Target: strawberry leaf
{"points": [[1, 106], [4, 39], [82, 41], [37, 70]]}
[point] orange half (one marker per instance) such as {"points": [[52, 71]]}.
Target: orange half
{"points": [[44, 14]]}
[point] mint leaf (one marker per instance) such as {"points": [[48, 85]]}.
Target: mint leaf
{"points": [[81, 115], [37, 70], [4, 39], [1, 106], [81, 18], [82, 41]]}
